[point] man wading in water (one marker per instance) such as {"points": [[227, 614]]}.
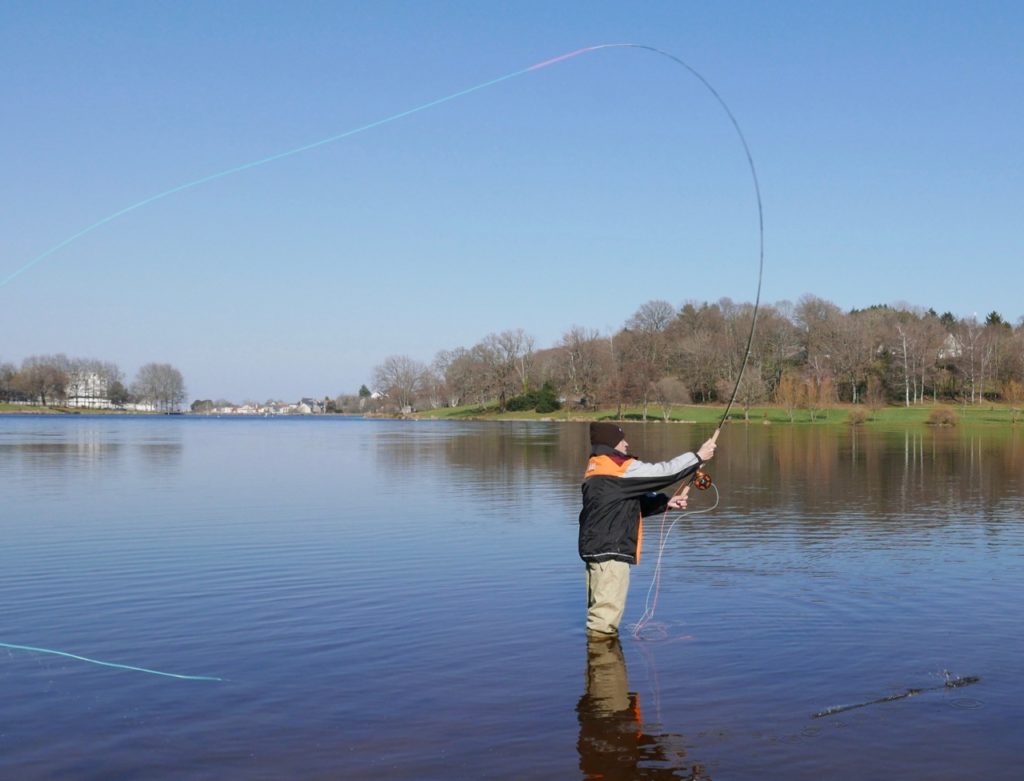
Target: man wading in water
{"points": [[618, 491]]}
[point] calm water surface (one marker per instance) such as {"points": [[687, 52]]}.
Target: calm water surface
{"points": [[390, 600]]}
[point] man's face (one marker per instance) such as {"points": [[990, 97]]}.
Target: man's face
{"points": [[623, 446]]}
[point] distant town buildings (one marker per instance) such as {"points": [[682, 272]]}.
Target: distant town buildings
{"points": [[305, 406]]}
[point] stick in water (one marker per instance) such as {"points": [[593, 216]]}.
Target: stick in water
{"points": [[952, 683]]}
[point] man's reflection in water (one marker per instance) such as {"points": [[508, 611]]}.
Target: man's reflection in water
{"points": [[612, 743]]}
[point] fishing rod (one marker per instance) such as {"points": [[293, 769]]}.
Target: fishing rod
{"points": [[701, 479]]}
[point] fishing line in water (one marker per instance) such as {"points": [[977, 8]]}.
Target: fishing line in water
{"points": [[392, 118], [653, 591], [34, 649]]}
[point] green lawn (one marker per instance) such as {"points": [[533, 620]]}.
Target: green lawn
{"points": [[978, 414], [30, 408], [36, 409]]}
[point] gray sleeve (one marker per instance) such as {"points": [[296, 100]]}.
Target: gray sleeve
{"points": [[662, 469]]}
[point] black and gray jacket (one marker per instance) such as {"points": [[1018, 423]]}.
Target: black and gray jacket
{"points": [[618, 491]]}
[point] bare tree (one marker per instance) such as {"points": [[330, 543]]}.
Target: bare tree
{"points": [[614, 385], [1015, 353], [818, 321], [698, 339], [817, 393], [587, 362], [43, 378], [999, 344], [160, 385], [518, 346], [854, 343], [454, 367], [636, 375], [649, 346], [905, 351], [549, 367], [669, 391], [776, 346], [480, 362], [434, 390], [875, 393], [750, 390], [401, 378], [788, 392], [927, 344], [970, 338], [507, 357], [652, 318], [921, 367]]}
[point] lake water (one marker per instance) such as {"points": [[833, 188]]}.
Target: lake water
{"points": [[403, 600]]}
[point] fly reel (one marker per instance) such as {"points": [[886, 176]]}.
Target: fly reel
{"points": [[702, 480]]}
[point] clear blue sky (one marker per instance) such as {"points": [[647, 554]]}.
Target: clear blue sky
{"points": [[888, 137]]}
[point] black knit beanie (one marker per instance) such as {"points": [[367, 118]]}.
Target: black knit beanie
{"points": [[606, 434]]}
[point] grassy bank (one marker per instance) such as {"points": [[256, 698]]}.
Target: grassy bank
{"points": [[35, 409], [841, 415]]}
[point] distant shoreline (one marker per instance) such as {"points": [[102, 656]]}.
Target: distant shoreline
{"points": [[854, 416]]}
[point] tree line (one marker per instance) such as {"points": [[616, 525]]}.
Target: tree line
{"points": [[809, 354], [51, 380]]}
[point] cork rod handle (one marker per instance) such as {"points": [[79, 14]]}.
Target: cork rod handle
{"points": [[686, 488]]}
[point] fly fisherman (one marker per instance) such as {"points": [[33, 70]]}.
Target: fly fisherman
{"points": [[618, 491]]}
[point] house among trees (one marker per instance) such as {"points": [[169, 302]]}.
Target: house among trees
{"points": [[951, 348], [308, 406], [85, 383], [89, 389]]}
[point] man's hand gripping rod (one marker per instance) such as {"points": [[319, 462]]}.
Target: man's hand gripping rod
{"points": [[700, 478]]}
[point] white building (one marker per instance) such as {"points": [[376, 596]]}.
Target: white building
{"points": [[88, 389]]}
